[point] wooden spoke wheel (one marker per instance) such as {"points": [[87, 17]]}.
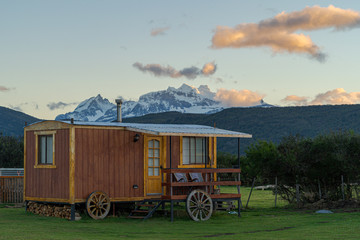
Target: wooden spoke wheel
{"points": [[98, 205], [199, 205]]}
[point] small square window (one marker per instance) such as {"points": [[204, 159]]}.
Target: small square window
{"points": [[45, 149]]}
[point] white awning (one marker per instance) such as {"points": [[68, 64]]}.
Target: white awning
{"points": [[169, 129]]}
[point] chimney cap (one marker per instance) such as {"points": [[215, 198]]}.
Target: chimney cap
{"points": [[118, 101]]}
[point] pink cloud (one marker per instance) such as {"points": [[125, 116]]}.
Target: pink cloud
{"points": [[238, 98], [280, 33]]}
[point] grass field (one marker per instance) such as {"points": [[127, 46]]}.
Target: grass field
{"points": [[260, 221]]}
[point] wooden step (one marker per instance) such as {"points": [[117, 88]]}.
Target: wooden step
{"points": [[140, 211], [145, 205], [144, 209]]}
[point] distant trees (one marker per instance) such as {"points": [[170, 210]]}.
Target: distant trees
{"points": [[11, 152], [312, 163]]}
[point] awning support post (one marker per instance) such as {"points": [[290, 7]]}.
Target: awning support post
{"points": [[171, 188], [238, 187]]}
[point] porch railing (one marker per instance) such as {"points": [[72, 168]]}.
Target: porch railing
{"points": [[210, 180]]}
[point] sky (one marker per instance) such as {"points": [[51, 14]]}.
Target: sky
{"points": [[55, 54]]}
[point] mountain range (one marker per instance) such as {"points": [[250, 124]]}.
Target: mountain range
{"points": [[185, 99], [12, 122], [268, 124]]}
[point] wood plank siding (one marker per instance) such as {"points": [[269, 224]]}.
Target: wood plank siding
{"points": [[48, 183], [175, 151], [108, 160]]}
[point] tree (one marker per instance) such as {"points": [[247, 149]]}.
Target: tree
{"points": [[307, 162], [11, 152]]}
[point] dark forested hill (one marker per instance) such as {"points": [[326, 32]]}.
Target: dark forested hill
{"points": [[12, 122], [268, 123]]}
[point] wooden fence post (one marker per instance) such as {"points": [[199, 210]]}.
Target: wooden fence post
{"points": [[252, 186], [275, 190], [342, 188], [298, 194]]}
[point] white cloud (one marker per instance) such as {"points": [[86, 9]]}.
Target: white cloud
{"points": [[59, 105], [168, 71]]}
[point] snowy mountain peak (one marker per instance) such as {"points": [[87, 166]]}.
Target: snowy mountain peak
{"points": [[187, 89], [263, 104], [185, 99], [89, 110], [183, 89], [94, 102], [205, 91]]}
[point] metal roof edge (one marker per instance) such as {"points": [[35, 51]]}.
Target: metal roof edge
{"points": [[148, 128]]}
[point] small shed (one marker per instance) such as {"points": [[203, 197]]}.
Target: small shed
{"points": [[70, 162], [11, 172]]}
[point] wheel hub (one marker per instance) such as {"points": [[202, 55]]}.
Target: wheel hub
{"points": [[200, 205]]}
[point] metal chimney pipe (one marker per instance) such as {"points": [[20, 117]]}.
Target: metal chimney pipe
{"points": [[118, 108]]}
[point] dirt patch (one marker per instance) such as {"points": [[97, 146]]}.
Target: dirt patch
{"points": [[323, 204], [271, 230], [16, 205], [348, 210]]}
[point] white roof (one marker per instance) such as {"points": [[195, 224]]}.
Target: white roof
{"points": [[11, 172], [168, 129]]}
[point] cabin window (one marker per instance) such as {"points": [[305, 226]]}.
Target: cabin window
{"points": [[154, 158], [194, 150], [45, 155], [45, 149]]}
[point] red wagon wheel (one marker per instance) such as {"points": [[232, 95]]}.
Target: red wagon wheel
{"points": [[98, 205], [199, 205]]}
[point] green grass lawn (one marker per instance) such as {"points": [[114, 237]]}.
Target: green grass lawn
{"points": [[260, 221]]}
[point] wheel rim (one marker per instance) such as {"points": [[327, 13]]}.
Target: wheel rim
{"points": [[199, 205], [98, 205]]}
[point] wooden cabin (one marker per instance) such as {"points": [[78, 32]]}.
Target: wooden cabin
{"points": [[68, 162]]}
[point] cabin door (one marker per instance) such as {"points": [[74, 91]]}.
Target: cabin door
{"points": [[153, 162]]}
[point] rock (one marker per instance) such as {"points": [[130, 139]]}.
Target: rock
{"points": [[265, 187], [323, 211]]}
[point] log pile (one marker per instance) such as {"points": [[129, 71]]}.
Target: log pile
{"points": [[50, 210]]}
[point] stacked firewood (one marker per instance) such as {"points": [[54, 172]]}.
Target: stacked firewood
{"points": [[50, 210]]}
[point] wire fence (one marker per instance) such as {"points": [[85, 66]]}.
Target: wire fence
{"points": [[274, 192]]}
